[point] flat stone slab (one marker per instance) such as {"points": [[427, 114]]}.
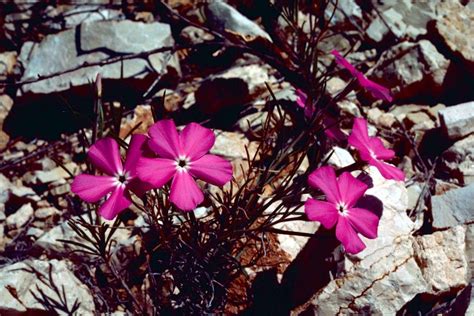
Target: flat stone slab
{"points": [[453, 208], [94, 42], [458, 120]]}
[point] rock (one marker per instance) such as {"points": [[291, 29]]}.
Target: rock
{"points": [[401, 19], [414, 191], [453, 208], [417, 70], [233, 87], [395, 267], [50, 243], [232, 145], [7, 63], [458, 161], [340, 157], [46, 212], [224, 17], [95, 42], [89, 13], [454, 30], [20, 217], [443, 259], [34, 232], [194, 35], [56, 174], [419, 121], [19, 284], [458, 121]]}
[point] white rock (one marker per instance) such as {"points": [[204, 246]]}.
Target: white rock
{"points": [[443, 259], [50, 243], [20, 217], [19, 279], [458, 120]]}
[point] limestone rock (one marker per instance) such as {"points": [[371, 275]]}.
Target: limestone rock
{"points": [[50, 241], [20, 217], [454, 28], [401, 19], [458, 160], [232, 145], [453, 208], [224, 17], [458, 120], [415, 69], [442, 257], [94, 42], [19, 284]]}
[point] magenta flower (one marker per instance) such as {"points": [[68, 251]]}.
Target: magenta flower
{"points": [[342, 195], [183, 157], [118, 181], [331, 127], [372, 150], [377, 91]]}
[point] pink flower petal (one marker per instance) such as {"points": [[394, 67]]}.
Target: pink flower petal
{"points": [[185, 193], [323, 212], [155, 171], [300, 98], [348, 236], [105, 155], [388, 171], [377, 91], [92, 188], [117, 202], [212, 169], [379, 149], [345, 63], [196, 141], [324, 178], [135, 149], [350, 188], [364, 221], [332, 129], [359, 138], [164, 139]]}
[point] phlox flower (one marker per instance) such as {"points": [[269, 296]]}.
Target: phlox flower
{"points": [[342, 195], [183, 157], [332, 130], [377, 91], [372, 150], [118, 179]]}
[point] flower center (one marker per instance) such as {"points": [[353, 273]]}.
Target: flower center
{"points": [[372, 154], [342, 208], [182, 164], [122, 178]]}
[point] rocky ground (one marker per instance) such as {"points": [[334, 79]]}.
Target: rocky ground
{"points": [[423, 259]]}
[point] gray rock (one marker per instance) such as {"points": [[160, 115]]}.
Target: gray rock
{"points": [[20, 217], [51, 244], [19, 284], [95, 42], [453, 208], [225, 17], [458, 160], [458, 121], [402, 19], [414, 69], [89, 13]]}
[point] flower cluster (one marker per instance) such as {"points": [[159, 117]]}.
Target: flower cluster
{"points": [[180, 157]]}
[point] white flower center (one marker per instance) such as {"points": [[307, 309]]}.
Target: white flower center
{"points": [[183, 164], [342, 208], [372, 154], [121, 179]]}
